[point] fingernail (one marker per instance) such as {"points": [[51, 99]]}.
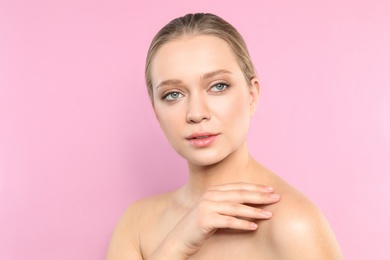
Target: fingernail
{"points": [[274, 196], [268, 188], [253, 225], [267, 213]]}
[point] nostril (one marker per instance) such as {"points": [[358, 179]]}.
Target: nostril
{"points": [[197, 110], [196, 118]]}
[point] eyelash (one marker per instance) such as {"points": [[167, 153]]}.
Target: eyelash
{"points": [[221, 83], [164, 97]]}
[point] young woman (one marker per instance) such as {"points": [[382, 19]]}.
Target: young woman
{"points": [[204, 90]]}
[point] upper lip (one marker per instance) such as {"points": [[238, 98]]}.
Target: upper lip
{"points": [[197, 135]]}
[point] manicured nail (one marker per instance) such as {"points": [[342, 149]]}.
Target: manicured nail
{"points": [[253, 225], [274, 196], [268, 188], [267, 213]]}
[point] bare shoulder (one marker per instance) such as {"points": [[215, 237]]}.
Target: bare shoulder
{"points": [[298, 229], [302, 232], [125, 241]]}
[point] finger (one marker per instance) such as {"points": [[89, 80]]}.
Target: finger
{"points": [[242, 196], [242, 186], [233, 223], [239, 210]]}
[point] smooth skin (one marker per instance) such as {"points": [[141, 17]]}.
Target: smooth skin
{"points": [[232, 207]]}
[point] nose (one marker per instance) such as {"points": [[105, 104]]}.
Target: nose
{"points": [[197, 109]]}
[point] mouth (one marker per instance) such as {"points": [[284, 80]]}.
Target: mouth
{"points": [[200, 140], [200, 136]]}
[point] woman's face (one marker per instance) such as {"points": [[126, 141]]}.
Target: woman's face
{"points": [[201, 98]]}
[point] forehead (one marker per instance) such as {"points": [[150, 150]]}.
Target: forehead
{"points": [[191, 56]]}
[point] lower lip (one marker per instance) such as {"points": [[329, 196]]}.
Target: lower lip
{"points": [[204, 142]]}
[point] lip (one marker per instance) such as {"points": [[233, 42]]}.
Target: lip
{"points": [[203, 139]]}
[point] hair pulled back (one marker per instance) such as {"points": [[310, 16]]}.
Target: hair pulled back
{"points": [[200, 24]]}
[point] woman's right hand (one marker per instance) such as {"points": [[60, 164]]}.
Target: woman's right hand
{"points": [[222, 206]]}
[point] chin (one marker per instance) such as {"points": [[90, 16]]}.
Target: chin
{"points": [[205, 159], [211, 155], [202, 163]]}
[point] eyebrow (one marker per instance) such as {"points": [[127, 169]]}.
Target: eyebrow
{"points": [[169, 82], [205, 76], [214, 73]]}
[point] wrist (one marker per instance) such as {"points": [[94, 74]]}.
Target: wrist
{"points": [[168, 250]]}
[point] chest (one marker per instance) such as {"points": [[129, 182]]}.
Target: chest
{"points": [[231, 245], [224, 244]]}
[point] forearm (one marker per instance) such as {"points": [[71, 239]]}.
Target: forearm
{"points": [[168, 250]]}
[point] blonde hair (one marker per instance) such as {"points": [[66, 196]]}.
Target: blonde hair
{"points": [[200, 24]]}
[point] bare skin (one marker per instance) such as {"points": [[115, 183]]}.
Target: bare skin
{"points": [[221, 213], [296, 230]]}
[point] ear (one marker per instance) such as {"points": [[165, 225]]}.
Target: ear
{"points": [[254, 93]]}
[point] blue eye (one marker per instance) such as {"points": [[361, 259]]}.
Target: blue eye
{"points": [[219, 87], [172, 96]]}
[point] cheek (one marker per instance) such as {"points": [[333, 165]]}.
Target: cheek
{"points": [[169, 120], [234, 110]]}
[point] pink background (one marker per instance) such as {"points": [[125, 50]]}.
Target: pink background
{"points": [[79, 141]]}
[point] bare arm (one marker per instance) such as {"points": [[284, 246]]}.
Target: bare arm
{"points": [[124, 244], [221, 206]]}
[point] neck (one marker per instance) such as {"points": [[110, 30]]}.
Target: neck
{"points": [[237, 167]]}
